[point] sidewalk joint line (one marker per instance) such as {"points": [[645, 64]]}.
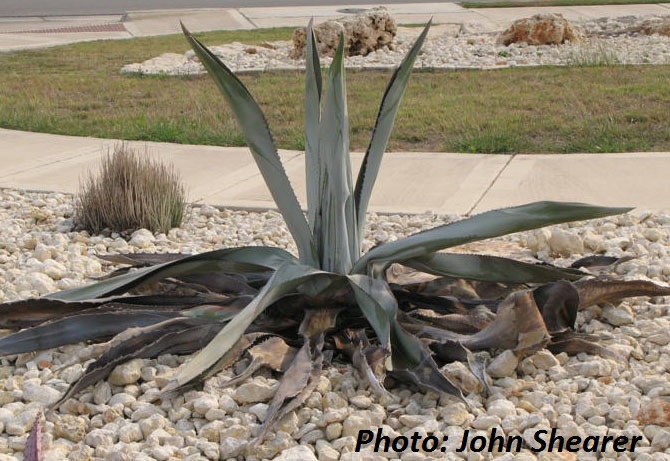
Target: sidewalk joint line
{"points": [[85, 152], [486, 191], [247, 18]]}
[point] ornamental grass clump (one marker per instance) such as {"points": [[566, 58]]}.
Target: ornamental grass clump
{"points": [[131, 191], [293, 314]]}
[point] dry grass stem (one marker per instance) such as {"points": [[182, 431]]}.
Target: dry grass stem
{"points": [[132, 191]]}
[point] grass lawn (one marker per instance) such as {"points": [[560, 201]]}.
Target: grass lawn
{"points": [[78, 90]]}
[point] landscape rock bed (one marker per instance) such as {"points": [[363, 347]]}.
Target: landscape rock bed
{"points": [[450, 46], [123, 418]]}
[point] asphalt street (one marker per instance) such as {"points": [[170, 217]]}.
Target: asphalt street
{"points": [[25, 8]]}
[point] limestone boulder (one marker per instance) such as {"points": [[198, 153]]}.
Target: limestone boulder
{"points": [[363, 34], [542, 29], [656, 26]]}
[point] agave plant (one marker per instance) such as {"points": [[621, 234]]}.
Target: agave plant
{"points": [[294, 313]]}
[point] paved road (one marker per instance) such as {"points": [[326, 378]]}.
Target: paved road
{"points": [[17, 8]]}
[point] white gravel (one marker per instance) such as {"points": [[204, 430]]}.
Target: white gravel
{"points": [[120, 419], [470, 46]]}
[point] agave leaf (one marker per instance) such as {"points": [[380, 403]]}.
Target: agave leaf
{"points": [[413, 362], [573, 343], [313, 166], [272, 353], [381, 133], [284, 281], [335, 225], [410, 300], [600, 261], [410, 360], [217, 281], [447, 350], [32, 312], [318, 321], [467, 291], [477, 365], [317, 366], [291, 384], [178, 335], [231, 284], [558, 303], [231, 260], [142, 259], [518, 326], [367, 359], [479, 227], [458, 323], [259, 139], [376, 301], [490, 268], [225, 361], [303, 374], [594, 291], [77, 328], [407, 350]]}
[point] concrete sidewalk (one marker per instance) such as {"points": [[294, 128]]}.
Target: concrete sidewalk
{"points": [[408, 183]]}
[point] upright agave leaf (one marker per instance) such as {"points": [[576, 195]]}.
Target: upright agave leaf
{"points": [[261, 144], [382, 130], [312, 121], [336, 222]]}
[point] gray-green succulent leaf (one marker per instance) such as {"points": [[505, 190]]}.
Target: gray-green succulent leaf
{"points": [[490, 268], [229, 260], [483, 226], [262, 146], [284, 281], [381, 133]]}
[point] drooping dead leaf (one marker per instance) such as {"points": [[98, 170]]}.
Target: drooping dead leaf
{"points": [[403, 275], [459, 323], [173, 336], [596, 291], [598, 264], [573, 343], [558, 303], [367, 359], [477, 365], [461, 288], [303, 373], [518, 326], [427, 376], [318, 321], [314, 377], [272, 353]]}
